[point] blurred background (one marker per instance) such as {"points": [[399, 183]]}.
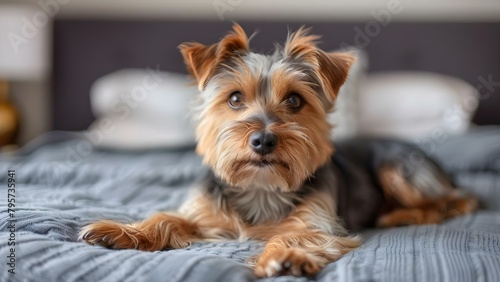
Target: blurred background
{"points": [[113, 66]]}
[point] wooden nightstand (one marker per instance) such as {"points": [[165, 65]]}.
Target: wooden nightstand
{"points": [[9, 122]]}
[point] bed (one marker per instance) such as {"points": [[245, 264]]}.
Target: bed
{"points": [[64, 183], [57, 193]]}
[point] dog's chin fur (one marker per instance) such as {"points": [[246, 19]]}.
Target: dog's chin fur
{"points": [[248, 176]]}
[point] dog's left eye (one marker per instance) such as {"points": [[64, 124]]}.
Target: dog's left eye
{"points": [[295, 102], [236, 100]]}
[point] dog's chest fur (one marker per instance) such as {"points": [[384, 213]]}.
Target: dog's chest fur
{"points": [[253, 206], [258, 205]]}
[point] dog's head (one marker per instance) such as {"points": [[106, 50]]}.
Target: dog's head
{"points": [[263, 118]]}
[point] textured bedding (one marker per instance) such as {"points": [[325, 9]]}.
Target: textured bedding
{"points": [[62, 185]]}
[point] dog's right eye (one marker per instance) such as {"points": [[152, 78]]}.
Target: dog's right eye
{"points": [[236, 100]]}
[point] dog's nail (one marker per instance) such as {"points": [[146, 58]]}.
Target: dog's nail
{"points": [[86, 235]]}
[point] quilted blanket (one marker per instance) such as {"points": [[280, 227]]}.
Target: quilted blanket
{"points": [[61, 184]]}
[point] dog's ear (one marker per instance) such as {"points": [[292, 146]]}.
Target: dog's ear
{"points": [[331, 68], [333, 71], [201, 60]]}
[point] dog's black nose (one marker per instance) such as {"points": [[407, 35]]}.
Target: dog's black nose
{"points": [[263, 143]]}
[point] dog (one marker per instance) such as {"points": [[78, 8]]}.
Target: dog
{"points": [[275, 174]]}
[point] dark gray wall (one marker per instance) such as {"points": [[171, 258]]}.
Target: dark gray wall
{"points": [[86, 50]]}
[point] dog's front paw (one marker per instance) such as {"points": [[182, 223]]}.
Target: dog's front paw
{"points": [[113, 235], [294, 261]]}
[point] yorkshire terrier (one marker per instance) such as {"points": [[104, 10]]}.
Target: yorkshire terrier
{"points": [[264, 133]]}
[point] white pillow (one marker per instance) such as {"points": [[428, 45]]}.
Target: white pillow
{"points": [[414, 105], [142, 109]]}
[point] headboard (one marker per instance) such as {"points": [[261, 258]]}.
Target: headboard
{"points": [[87, 49]]}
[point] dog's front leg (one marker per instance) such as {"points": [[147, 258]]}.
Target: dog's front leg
{"points": [[159, 232], [302, 253], [197, 220], [306, 241]]}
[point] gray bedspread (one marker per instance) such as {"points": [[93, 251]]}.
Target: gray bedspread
{"points": [[62, 186]]}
